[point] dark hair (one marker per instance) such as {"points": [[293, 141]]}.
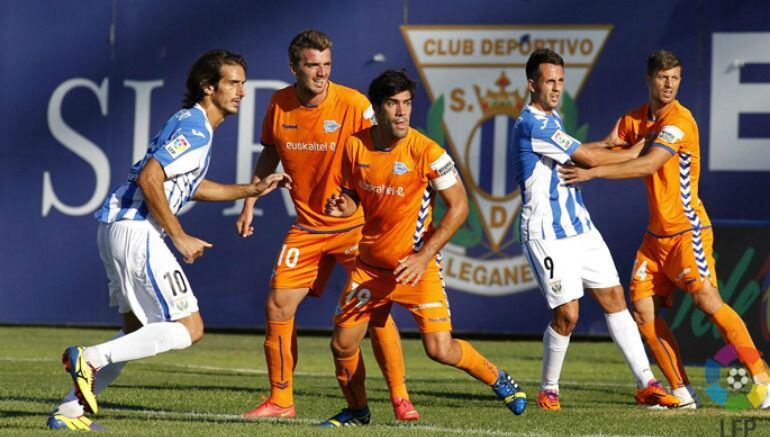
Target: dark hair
{"points": [[662, 60], [541, 56], [205, 72], [388, 84], [307, 39]]}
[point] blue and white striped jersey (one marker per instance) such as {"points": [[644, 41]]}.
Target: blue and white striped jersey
{"points": [[183, 148], [549, 211]]}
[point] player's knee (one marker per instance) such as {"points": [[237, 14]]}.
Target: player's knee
{"points": [[196, 332], [280, 308], [342, 347], [439, 352], [641, 317]]}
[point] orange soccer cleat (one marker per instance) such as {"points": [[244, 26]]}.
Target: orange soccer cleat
{"points": [[655, 394], [548, 400], [404, 410], [269, 409]]}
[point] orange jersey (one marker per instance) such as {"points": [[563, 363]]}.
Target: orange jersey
{"points": [[395, 189], [308, 141], [672, 191]]}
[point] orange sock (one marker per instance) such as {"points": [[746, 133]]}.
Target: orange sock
{"points": [[280, 361], [294, 347], [475, 364], [665, 334], [351, 375], [665, 350], [386, 344], [734, 332]]}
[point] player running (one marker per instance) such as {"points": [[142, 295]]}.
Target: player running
{"points": [[676, 251], [393, 172], [304, 128], [566, 252], [146, 283]]}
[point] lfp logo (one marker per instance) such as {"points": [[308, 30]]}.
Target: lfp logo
{"points": [[731, 392]]}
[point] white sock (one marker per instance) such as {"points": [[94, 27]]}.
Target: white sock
{"points": [[625, 334], [554, 350], [145, 342], [70, 406]]}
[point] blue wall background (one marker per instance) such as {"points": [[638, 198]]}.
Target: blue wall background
{"points": [[50, 272]]}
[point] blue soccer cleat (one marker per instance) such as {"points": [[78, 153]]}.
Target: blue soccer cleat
{"points": [[82, 423], [348, 417], [506, 389], [82, 376]]}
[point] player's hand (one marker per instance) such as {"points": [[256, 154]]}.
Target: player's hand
{"points": [[243, 224], [190, 247], [641, 146], [336, 205], [571, 175], [270, 183], [613, 140], [410, 269]]}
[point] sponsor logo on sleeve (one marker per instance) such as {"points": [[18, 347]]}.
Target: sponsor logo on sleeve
{"points": [[198, 133], [330, 126], [177, 146], [671, 134], [369, 112], [181, 115], [561, 139]]}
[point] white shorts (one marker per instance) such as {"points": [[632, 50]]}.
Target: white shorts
{"points": [[565, 267], [145, 277]]}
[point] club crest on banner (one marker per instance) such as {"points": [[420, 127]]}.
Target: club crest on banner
{"points": [[476, 75]]}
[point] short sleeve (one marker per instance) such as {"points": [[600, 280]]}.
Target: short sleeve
{"points": [[267, 138], [551, 141], [672, 135], [364, 112], [184, 151], [626, 129], [441, 171]]}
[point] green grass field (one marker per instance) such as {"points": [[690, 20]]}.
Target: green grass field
{"points": [[201, 391]]}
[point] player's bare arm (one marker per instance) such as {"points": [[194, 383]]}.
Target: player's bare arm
{"points": [[210, 191], [596, 154], [340, 205], [150, 181], [266, 164], [411, 268], [644, 165]]}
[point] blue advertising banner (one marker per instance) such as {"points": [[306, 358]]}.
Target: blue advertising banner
{"points": [[88, 83]]}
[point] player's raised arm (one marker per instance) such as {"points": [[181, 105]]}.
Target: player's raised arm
{"points": [[150, 181], [210, 191]]}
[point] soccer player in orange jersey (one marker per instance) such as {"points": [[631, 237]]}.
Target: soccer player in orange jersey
{"points": [[393, 173], [304, 128], [676, 251]]}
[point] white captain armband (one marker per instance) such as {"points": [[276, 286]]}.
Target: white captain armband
{"points": [[671, 134], [447, 173]]}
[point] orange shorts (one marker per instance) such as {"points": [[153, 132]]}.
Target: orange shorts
{"points": [[371, 292], [306, 259], [664, 264]]}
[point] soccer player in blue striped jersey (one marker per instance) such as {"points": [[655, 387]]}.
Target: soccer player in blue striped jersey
{"points": [[566, 252], [146, 282]]}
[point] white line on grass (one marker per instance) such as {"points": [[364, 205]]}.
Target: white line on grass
{"points": [[321, 375], [309, 421]]}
